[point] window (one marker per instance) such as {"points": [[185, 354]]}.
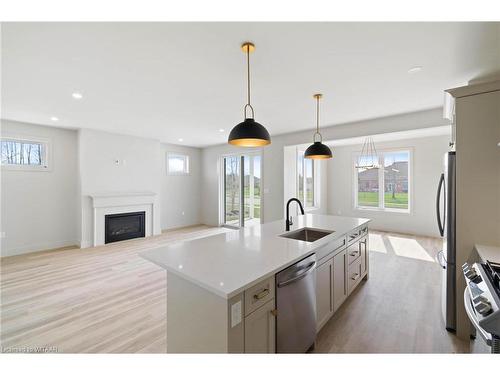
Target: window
{"points": [[305, 180], [385, 188], [177, 164], [241, 183], [24, 154]]}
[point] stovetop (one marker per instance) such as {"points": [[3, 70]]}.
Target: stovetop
{"points": [[492, 270]]}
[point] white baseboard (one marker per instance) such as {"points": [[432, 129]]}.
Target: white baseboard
{"points": [[85, 244], [33, 248]]}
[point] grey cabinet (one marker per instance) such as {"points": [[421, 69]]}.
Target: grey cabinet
{"points": [[353, 275], [339, 279], [363, 246], [353, 252], [324, 292], [260, 330]]}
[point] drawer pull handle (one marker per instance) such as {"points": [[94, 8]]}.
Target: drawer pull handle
{"points": [[342, 244], [353, 236], [261, 294], [354, 253], [356, 276], [274, 312]]}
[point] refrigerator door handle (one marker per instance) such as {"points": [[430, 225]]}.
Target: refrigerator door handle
{"points": [[438, 199], [440, 259]]}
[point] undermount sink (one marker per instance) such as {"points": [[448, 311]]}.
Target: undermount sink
{"points": [[307, 234]]}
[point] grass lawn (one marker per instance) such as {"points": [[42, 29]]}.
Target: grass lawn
{"points": [[370, 199]]}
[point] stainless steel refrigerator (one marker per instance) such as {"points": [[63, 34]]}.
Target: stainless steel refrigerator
{"points": [[446, 220]]}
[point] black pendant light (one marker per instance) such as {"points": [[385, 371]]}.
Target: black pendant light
{"points": [[249, 133], [318, 150]]}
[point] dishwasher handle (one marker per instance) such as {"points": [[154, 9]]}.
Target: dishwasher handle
{"points": [[299, 275]]}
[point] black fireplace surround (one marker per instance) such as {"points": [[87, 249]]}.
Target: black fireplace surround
{"points": [[119, 227]]}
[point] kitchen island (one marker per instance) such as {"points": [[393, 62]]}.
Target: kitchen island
{"points": [[220, 289]]}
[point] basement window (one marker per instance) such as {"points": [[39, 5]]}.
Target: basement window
{"points": [[177, 164], [24, 154]]}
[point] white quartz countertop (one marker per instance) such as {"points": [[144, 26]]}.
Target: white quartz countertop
{"points": [[491, 253], [228, 263]]}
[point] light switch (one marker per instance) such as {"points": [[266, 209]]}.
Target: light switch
{"points": [[235, 314]]}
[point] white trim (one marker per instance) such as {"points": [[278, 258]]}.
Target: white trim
{"points": [[46, 165], [381, 188], [34, 248]]}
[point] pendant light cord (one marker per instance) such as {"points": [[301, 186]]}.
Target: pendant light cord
{"points": [[248, 75], [248, 105], [317, 120], [317, 115]]}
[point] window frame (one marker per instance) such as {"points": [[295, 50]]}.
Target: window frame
{"points": [[316, 182], [381, 207], [252, 152], [45, 166], [186, 167]]}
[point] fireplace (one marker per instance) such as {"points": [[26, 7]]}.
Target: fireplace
{"points": [[119, 227]]}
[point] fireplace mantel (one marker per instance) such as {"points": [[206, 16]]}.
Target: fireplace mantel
{"points": [[107, 203]]}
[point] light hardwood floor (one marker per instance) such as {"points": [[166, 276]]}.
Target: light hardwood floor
{"points": [[105, 299], [398, 310], [108, 299]]}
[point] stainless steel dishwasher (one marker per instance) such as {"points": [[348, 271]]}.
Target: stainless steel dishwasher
{"points": [[296, 307]]}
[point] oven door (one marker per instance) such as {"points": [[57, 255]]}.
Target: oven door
{"points": [[471, 313]]}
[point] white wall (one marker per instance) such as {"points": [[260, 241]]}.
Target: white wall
{"points": [[139, 169], [273, 157], [180, 194], [426, 167], [39, 208]]}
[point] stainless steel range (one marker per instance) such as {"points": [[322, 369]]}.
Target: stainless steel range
{"points": [[482, 300]]}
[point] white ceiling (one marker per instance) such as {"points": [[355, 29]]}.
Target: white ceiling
{"points": [[187, 80]]}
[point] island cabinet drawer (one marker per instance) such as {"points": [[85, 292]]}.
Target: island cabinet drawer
{"points": [[324, 253], [258, 295], [353, 252], [353, 275], [353, 236]]}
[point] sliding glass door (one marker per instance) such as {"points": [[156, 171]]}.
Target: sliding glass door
{"points": [[241, 204], [232, 190]]}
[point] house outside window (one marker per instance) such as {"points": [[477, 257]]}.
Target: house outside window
{"points": [[177, 164], [23, 153], [306, 181], [386, 188]]}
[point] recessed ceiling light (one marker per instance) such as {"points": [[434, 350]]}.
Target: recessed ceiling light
{"points": [[415, 69], [221, 130], [180, 139], [77, 95], [54, 118]]}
